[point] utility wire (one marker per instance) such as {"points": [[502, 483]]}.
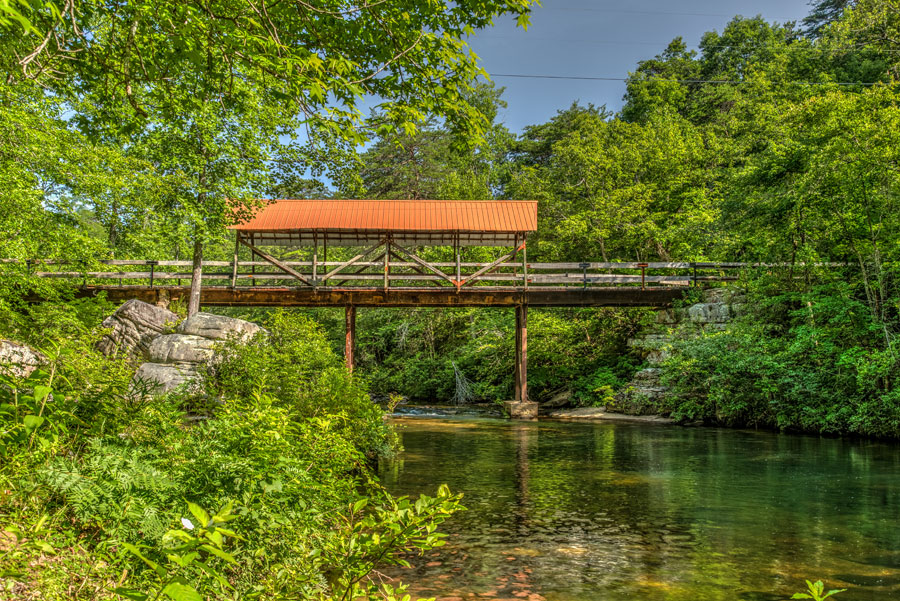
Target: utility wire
{"points": [[696, 47], [658, 79], [621, 11]]}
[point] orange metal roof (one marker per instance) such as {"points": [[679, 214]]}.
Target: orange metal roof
{"points": [[445, 216]]}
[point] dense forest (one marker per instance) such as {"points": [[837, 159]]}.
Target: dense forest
{"points": [[140, 130]]}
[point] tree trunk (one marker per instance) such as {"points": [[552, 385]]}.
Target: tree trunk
{"points": [[196, 278]]}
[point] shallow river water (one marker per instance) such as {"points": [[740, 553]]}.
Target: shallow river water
{"points": [[560, 511]]}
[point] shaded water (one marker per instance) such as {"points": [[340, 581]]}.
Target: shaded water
{"points": [[610, 511]]}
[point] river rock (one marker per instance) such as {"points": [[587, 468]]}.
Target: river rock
{"points": [[180, 348], [159, 378], [600, 413], [563, 398], [133, 326], [18, 360], [218, 327]]}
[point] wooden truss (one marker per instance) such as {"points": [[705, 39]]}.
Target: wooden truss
{"points": [[427, 272]]}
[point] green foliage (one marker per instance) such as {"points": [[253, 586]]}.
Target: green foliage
{"points": [[413, 352], [294, 364], [817, 591], [96, 476], [808, 360]]}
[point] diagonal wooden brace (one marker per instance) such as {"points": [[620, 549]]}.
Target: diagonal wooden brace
{"points": [[347, 264], [270, 259], [424, 263], [491, 266], [414, 268]]}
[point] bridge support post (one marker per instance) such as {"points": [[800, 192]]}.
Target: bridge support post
{"points": [[350, 342], [521, 407]]}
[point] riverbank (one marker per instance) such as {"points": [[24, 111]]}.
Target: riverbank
{"points": [[601, 414]]}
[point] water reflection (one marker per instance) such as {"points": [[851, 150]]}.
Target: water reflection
{"points": [[565, 511]]}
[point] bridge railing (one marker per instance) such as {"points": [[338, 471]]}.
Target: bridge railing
{"points": [[377, 274]]}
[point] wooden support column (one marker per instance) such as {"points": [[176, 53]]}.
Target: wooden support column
{"points": [[517, 396], [234, 265], [521, 373], [458, 269], [387, 263], [315, 261], [350, 342]]}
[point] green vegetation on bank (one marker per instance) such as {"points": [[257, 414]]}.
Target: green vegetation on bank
{"points": [[263, 490]]}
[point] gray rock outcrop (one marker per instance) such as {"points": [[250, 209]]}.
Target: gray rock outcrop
{"points": [[18, 360], [160, 378], [180, 348], [646, 392], [175, 360], [217, 327], [133, 326]]}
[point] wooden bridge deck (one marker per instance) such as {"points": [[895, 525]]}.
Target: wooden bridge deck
{"points": [[487, 296]]}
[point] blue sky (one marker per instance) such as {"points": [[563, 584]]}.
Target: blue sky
{"points": [[599, 38]]}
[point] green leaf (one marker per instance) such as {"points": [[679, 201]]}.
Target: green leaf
{"points": [[130, 593], [218, 553], [180, 590], [32, 422], [41, 392], [160, 571], [800, 596], [359, 505], [197, 512]]}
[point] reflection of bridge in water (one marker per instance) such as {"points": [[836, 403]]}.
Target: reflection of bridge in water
{"points": [[387, 269]]}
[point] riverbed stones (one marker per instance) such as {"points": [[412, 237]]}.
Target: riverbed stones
{"points": [[218, 327], [133, 326], [18, 360]]}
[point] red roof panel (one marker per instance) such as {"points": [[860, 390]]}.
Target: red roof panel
{"points": [[395, 215]]}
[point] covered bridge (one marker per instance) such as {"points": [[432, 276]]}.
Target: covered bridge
{"points": [[388, 232]]}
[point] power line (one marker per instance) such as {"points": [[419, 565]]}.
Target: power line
{"points": [[743, 48], [620, 11], [686, 81]]}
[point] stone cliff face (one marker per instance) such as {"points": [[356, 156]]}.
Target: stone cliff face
{"points": [[173, 352], [644, 394]]}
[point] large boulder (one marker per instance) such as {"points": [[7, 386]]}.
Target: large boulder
{"points": [[709, 313], [18, 360], [180, 348], [160, 378], [562, 398], [133, 327], [218, 327]]}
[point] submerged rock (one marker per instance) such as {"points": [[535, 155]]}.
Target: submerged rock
{"points": [[18, 360], [133, 326]]}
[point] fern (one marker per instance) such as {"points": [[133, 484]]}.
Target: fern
{"points": [[114, 487]]}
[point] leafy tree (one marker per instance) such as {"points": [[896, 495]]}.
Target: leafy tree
{"points": [[209, 90], [824, 13], [434, 163]]}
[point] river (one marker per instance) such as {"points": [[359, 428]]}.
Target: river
{"points": [[560, 511]]}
